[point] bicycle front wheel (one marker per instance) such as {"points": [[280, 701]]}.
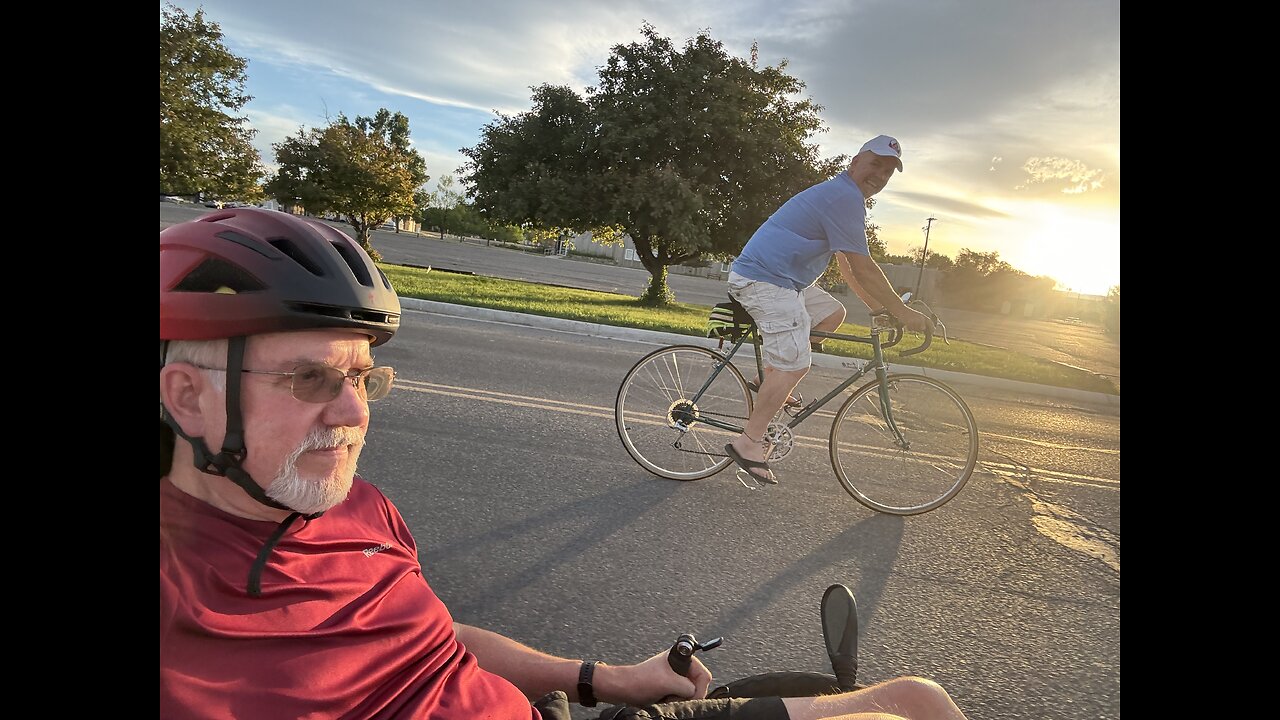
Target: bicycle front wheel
{"points": [[663, 425], [908, 455]]}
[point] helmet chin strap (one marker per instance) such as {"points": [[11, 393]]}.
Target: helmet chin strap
{"points": [[228, 463]]}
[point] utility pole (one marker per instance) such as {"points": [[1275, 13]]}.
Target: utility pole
{"points": [[923, 256]]}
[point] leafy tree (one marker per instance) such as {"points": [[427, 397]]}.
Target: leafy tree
{"points": [[1111, 310], [935, 260], [686, 150], [506, 233], [532, 169], [939, 261], [983, 264], [982, 281], [363, 170], [421, 201], [204, 149], [445, 198]]}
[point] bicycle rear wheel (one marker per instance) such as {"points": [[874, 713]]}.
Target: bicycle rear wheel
{"points": [[916, 469], [662, 426]]}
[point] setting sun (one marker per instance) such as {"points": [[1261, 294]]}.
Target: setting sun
{"points": [[1078, 248]]}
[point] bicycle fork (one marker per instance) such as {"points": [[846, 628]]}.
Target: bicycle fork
{"points": [[886, 407]]}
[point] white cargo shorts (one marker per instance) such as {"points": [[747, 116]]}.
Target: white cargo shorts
{"points": [[784, 317]]}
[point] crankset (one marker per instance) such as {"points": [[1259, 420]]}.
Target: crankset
{"points": [[780, 440]]}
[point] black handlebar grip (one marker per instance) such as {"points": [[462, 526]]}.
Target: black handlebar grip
{"points": [[846, 669], [680, 656]]}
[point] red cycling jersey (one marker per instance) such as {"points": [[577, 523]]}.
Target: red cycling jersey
{"points": [[346, 625]]}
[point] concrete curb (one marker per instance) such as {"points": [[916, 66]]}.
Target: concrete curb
{"points": [[614, 332]]}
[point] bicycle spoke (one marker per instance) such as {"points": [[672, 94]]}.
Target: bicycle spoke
{"points": [[916, 468], [658, 393]]}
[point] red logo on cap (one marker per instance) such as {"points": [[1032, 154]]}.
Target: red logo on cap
{"points": [[894, 144]]}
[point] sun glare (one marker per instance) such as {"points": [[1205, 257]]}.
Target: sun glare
{"points": [[1079, 250]]}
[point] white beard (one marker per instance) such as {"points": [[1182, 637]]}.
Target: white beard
{"points": [[311, 495]]}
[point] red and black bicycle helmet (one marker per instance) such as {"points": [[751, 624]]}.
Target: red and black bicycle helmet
{"points": [[250, 271]]}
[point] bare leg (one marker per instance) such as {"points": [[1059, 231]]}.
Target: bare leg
{"points": [[774, 391], [911, 698]]}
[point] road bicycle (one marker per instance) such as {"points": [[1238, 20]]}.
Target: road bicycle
{"points": [[902, 444]]}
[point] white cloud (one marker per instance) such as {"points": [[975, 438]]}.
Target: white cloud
{"points": [[1078, 177]]}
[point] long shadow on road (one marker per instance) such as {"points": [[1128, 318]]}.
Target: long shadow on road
{"points": [[874, 541], [596, 517]]}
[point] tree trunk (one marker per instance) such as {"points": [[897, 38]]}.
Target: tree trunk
{"points": [[363, 238], [659, 293]]}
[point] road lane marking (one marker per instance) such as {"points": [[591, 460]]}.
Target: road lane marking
{"points": [[1002, 470]]}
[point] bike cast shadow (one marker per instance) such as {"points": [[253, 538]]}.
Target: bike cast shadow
{"points": [[872, 545], [575, 529]]}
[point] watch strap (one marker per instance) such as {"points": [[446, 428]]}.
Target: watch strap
{"points": [[586, 693]]}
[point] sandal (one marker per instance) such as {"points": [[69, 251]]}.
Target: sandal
{"points": [[749, 465]]}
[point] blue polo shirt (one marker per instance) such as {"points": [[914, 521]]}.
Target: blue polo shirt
{"points": [[794, 246]]}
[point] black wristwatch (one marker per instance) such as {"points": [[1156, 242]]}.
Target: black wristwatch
{"points": [[586, 694]]}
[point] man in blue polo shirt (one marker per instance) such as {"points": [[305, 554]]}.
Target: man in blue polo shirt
{"points": [[774, 278]]}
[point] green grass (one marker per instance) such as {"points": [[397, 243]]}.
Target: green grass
{"points": [[686, 319]]}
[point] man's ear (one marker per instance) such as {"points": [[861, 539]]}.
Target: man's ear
{"points": [[181, 385]]}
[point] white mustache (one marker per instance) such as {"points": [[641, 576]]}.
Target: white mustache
{"points": [[323, 438]]}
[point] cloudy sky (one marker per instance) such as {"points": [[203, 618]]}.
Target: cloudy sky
{"points": [[1008, 111]]}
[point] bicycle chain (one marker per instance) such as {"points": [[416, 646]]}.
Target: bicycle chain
{"points": [[709, 454]]}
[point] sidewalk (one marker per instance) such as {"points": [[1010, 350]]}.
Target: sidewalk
{"points": [[819, 360]]}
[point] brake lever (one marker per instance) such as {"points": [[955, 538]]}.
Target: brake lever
{"points": [[937, 321]]}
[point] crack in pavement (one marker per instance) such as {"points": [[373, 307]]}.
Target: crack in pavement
{"points": [[1057, 522]]}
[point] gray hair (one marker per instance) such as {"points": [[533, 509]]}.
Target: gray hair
{"points": [[204, 353]]}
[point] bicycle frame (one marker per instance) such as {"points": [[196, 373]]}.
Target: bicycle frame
{"points": [[877, 363]]}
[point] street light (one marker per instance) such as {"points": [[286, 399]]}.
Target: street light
{"points": [[924, 255]]}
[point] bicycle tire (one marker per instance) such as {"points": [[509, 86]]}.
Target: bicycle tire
{"points": [[649, 401], [942, 452]]}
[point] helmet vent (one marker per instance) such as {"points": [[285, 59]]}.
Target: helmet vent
{"points": [[286, 246], [355, 262], [343, 313], [214, 275]]}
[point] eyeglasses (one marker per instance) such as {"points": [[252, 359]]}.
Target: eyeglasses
{"points": [[316, 383]]}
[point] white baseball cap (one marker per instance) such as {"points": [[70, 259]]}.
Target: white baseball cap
{"points": [[886, 146]]}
